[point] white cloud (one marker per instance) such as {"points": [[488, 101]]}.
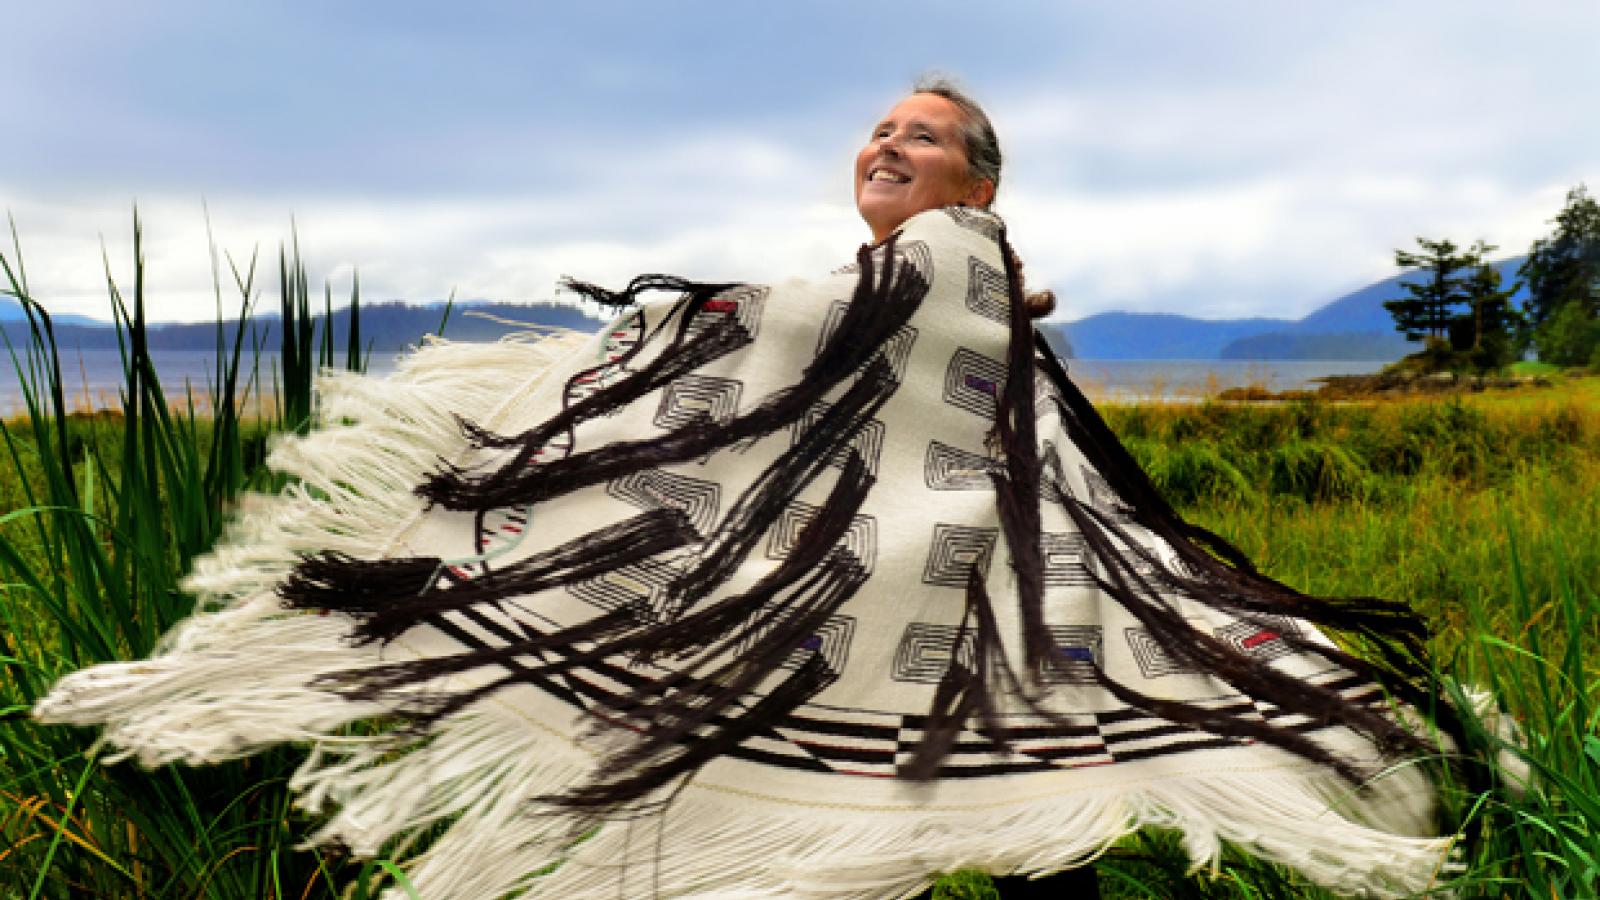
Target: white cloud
{"points": [[511, 248], [1223, 159], [1278, 245]]}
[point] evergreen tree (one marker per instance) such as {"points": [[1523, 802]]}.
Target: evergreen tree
{"points": [[1431, 300], [1570, 336], [1490, 317], [1565, 267]]}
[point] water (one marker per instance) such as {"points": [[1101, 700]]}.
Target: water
{"points": [[93, 378], [1187, 380]]}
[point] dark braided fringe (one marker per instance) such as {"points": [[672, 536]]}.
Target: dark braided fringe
{"points": [[645, 535], [699, 710], [1206, 653], [876, 311], [724, 652], [325, 579], [1017, 493], [1219, 575], [709, 346], [640, 285], [759, 506], [964, 693], [384, 617], [681, 355], [1214, 572]]}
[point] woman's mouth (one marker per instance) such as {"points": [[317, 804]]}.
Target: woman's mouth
{"points": [[887, 175]]}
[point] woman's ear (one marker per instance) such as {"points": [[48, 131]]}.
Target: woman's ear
{"points": [[981, 194]]}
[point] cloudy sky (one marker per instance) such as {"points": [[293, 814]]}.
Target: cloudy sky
{"points": [[1217, 159]]}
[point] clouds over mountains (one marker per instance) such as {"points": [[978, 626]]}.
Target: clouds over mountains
{"points": [[1225, 160]]}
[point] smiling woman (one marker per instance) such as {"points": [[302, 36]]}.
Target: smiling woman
{"points": [[810, 589], [936, 148], [917, 159]]}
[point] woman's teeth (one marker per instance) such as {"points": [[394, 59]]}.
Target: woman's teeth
{"points": [[885, 175]]}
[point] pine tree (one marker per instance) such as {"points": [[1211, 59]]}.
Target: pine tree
{"points": [[1565, 267], [1489, 309], [1431, 301], [1490, 330]]}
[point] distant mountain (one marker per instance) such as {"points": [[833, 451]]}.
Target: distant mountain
{"points": [[11, 311], [1377, 346], [1354, 327], [384, 326], [1362, 310], [1121, 335]]}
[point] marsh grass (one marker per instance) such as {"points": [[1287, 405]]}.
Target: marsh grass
{"points": [[1480, 512], [104, 513]]}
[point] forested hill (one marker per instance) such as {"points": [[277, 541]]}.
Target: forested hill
{"points": [[1353, 327], [11, 311], [384, 326], [1122, 335]]}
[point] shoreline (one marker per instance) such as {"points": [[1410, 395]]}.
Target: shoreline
{"points": [[92, 386], [1337, 389], [1392, 386]]}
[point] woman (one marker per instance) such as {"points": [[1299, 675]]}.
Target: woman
{"points": [[814, 589]]}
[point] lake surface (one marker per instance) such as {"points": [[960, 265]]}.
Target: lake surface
{"points": [[93, 378], [1195, 379]]}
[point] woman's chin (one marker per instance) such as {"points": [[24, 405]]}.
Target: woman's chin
{"points": [[883, 226], [886, 222]]}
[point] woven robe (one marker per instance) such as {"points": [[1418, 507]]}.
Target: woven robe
{"points": [[843, 568]]}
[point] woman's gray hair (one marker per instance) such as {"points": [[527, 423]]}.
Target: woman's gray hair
{"points": [[983, 161], [981, 144]]}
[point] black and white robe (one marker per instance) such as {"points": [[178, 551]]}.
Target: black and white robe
{"points": [[810, 589]]}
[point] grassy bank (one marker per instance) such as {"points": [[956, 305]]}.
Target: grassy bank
{"points": [[102, 516], [1480, 511]]}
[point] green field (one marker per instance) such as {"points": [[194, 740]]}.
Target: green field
{"points": [[1482, 511]]}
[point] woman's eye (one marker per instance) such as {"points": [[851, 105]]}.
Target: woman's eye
{"points": [[925, 137]]}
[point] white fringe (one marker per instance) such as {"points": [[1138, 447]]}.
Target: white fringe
{"points": [[227, 685], [234, 679], [375, 441], [481, 774], [1511, 761]]}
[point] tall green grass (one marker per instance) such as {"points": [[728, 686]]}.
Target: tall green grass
{"points": [[1481, 512], [104, 515]]}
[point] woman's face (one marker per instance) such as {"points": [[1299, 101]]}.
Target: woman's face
{"points": [[915, 160]]}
